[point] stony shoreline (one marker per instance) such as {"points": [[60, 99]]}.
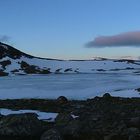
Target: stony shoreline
{"points": [[100, 118]]}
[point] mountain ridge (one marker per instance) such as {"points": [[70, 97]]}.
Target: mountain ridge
{"points": [[16, 62]]}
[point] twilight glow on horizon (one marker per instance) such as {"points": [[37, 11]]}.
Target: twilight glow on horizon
{"points": [[72, 29]]}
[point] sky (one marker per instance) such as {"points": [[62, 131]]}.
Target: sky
{"points": [[72, 29]]}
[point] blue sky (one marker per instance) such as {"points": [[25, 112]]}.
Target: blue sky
{"points": [[61, 28]]}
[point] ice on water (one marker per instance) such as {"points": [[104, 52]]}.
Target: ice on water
{"points": [[73, 86]]}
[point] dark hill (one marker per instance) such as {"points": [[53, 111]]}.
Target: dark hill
{"points": [[9, 51]]}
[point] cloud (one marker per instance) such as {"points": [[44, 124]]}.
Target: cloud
{"points": [[128, 39], [4, 38]]}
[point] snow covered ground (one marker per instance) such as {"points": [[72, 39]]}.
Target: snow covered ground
{"points": [[50, 117], [45, 116], [66, 66], [75, 79], [73, 86], [15, 62]]}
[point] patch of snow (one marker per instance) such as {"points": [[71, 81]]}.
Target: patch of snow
{"points": [[47, 116], [74, 116], [87, 66]]}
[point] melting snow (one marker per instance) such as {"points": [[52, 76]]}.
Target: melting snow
{"points": [[50, 117], [73, 86]]}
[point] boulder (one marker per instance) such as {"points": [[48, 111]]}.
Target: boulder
{"points": [[106, 96], [111, 136], [62, 100], [135, 122], [115, 137], [72, 129], [133, 131], [63, 119], [51, 134], [20, 125], [23, 64]]}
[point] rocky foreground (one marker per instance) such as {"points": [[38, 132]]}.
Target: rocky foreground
{"points": [[100, 118]]}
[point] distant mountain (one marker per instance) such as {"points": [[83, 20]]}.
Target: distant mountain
{"points": [[99, 58], [16, 62], [130, 58]]}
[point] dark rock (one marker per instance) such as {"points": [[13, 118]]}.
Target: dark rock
{"points": [[93, 99], [110, 136], [96, 98], [135, 122], [62, 100], [132, 137], [101, 70], [138, 89], [115, 69], [32, 69], [58, 71], [68, 70], [51, 134], [24, 65], [29, 69], [15, 70], [46, 71], [106, 96], [2, 73], [77, 70], [125, 60], [72, 129], [100, 118], [129, 68], [5, 63], [80, 130], [115, 137], [63, 119], [133, 131], [20, 125]]}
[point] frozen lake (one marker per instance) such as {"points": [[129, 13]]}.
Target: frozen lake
{"points": [[73, 86]]}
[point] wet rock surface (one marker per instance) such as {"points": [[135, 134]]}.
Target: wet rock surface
{"points": [[51, 134], [20, 125], [100, 118]]}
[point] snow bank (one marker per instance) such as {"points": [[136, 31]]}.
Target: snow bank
{"points": [[47, 116]]}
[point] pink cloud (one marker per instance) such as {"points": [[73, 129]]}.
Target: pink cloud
{"points": [[131, 39]]}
